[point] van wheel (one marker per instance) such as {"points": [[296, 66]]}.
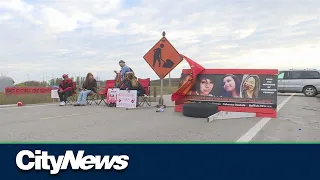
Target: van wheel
{"points": [[310, 91]]}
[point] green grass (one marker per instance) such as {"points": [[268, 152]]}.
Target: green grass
{"points": [[26, 99], [166, 90], [174, 82], [46, 98]]}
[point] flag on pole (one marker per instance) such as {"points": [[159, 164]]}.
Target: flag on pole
{"points": [[189, 81]]}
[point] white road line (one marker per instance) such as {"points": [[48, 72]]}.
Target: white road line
{"points": [[31, 106], [247, 137]]}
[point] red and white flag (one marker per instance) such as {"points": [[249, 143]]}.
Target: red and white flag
{"points": [[190, 80]]}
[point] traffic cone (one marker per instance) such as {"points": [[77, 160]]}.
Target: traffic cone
{"points": [[19, 104]]}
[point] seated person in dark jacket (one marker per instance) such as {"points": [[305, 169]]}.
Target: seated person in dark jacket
{"points": [[89, 86], [131, 83], [65, 89], [120, 82]]}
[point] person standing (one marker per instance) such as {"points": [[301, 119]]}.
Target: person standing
{"points": [[89, 86], [124, 69], [65, 89]]}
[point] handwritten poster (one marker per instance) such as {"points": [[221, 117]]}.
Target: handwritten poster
{"points": [[127, 98]]}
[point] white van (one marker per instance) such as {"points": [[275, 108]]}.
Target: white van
{"points": [[299, 81]]}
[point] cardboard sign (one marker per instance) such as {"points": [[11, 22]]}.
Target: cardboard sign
{"points": [[163, 58], [54, 94], [112, 95], [237, 90], [127, 98]]}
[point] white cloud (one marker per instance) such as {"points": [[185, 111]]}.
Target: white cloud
{"points": [[5, 17], [105, 6], [106, 25], [20, 9], [16, 5], [244, 33], [77, 36], [295, 20], [57, 21], [24, 66]]}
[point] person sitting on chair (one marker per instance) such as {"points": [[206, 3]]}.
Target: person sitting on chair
{"points": [[65, 89], [89, 86], [131, 83], [125, 80]]}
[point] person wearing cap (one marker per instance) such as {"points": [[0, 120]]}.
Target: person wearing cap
{"points": [[65, 89], [124, 69]]}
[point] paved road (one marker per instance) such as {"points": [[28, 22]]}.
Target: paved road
{"points": [[298, 121]]}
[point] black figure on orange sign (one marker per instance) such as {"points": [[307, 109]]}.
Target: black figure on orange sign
{"points": [[157, 55]]}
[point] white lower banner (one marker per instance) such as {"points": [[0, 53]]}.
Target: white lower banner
{"points": [[127, 98]]}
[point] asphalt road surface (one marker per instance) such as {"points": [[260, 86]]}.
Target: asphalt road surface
{"points": [[298, 120]]}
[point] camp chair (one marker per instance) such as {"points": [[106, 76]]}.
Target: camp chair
{"points": [[103, 94], [146, 97], [93, 97], [73, 98]]}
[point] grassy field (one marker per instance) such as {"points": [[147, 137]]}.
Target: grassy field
{"points": [[26, 99], [46, 98], [155, 90], [174, 82]]}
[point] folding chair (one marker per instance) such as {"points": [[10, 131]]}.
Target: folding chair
{"points": [[93, 97], [103, 94], [145, 98], [73, 98]]}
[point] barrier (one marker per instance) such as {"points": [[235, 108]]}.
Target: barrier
{"points": [[235, 90], [27, 90]]}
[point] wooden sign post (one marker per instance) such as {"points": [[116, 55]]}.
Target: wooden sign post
{"points": [[162, 58]]}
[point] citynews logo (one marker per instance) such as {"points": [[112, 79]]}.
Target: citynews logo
{"points": [[40, 160]]}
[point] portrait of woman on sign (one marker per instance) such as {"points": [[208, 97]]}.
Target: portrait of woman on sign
{"points": [[183, 79], [204, 86], [230, 86], [250, 87]]}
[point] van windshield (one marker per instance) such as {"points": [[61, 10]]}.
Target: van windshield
{"points": [[281, 75]]}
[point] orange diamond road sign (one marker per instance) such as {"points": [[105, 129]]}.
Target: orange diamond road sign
{"points": [[163, 58]]}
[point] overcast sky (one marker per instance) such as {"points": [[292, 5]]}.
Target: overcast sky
{"points": [[52, 37]]}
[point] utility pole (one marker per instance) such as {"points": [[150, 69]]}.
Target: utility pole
{"points": [[169, 81], [28, 80]]}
